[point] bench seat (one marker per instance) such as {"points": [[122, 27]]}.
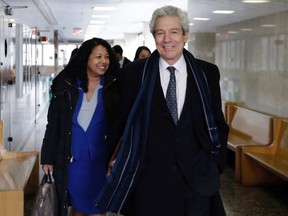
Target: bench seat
{"points": [[19, 174], [15, 171], [267, 164], [278, 166]]}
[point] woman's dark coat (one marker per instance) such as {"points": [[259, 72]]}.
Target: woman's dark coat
{"points": [[56, 147]]}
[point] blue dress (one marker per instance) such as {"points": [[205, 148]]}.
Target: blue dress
{"points": [[87, 171]]}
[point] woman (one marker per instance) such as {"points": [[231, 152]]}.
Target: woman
{"points": [[142, 52], [83, 107]]}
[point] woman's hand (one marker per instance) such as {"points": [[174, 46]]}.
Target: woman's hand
{"points": [[47, 168]]}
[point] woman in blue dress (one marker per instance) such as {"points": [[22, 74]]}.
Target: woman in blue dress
{"points": [[82, 109]]}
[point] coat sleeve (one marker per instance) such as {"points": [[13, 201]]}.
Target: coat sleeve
{"points": [[51, 133], [213, 78], [129, 85]]}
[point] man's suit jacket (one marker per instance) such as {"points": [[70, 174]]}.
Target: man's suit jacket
{"points": [[183, 149], [126, 61]]}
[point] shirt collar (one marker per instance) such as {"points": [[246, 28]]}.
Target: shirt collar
{"points": [[180, 65]]}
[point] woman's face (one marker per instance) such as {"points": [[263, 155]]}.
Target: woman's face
{"points": [[144, 54], [98, 61]]}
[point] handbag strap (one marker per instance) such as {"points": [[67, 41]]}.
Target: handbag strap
{"points": [[47, 178]]}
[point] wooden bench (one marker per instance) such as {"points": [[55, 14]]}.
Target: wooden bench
{"points": [[247, 128], [226, 108], [19, 174], [267, 164]]}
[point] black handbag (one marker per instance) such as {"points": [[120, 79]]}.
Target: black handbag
{"points": [[45, 203]]}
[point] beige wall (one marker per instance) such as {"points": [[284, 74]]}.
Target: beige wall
{"points": [[254, 64]]}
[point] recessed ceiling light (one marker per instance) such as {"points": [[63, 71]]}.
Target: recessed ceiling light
{"points": [[191, 24], [246, 29], [256, 1], [104, 8], [268, 25], [201, 18], [100, 16], [97, 22], [223, 11], [232, 32]]}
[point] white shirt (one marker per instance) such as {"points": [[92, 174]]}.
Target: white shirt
{"points": [[181, 80], [121, 62]]}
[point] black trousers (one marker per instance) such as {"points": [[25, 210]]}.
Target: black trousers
{"points": [[198, 205], [195, 205]]}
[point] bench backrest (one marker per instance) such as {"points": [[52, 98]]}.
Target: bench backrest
{"points": [[253, 124], [1, 134], [2, 149], [282, 148], [226, 107]]}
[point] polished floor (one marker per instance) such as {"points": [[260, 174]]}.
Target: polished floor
{"points": [[238, 200], [242, 200]]}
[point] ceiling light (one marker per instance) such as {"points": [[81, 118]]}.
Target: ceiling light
{"points": [[95, 27], [100, 16], [268, 25], [104, 8], [232, 32], [97, 22], [201, 18], [223, 11], [191, 24], [246, 29], [256, 1]]}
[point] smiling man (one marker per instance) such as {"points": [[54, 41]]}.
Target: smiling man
{"points": [[174, 136]]}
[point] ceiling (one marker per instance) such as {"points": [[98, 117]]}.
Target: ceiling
{"points": [[129, 16]]}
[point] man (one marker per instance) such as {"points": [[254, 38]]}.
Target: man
{"points": [[119, 56], [170, 159]]}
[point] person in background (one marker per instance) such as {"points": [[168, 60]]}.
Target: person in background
{"points": [[73, 53], [119, 56], [174, 142], [142, 52], [82, 109]]}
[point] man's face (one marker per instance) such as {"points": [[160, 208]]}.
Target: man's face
{"points": [[118, 56], [170, 38]]}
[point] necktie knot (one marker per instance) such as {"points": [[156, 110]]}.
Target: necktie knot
{"points": [[171, 70]]}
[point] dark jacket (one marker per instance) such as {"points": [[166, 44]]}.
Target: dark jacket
{"points": [[126, 61], [190, 141], [56, 147]]}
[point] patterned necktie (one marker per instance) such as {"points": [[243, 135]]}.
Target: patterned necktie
{"points": [[171, 99]]}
